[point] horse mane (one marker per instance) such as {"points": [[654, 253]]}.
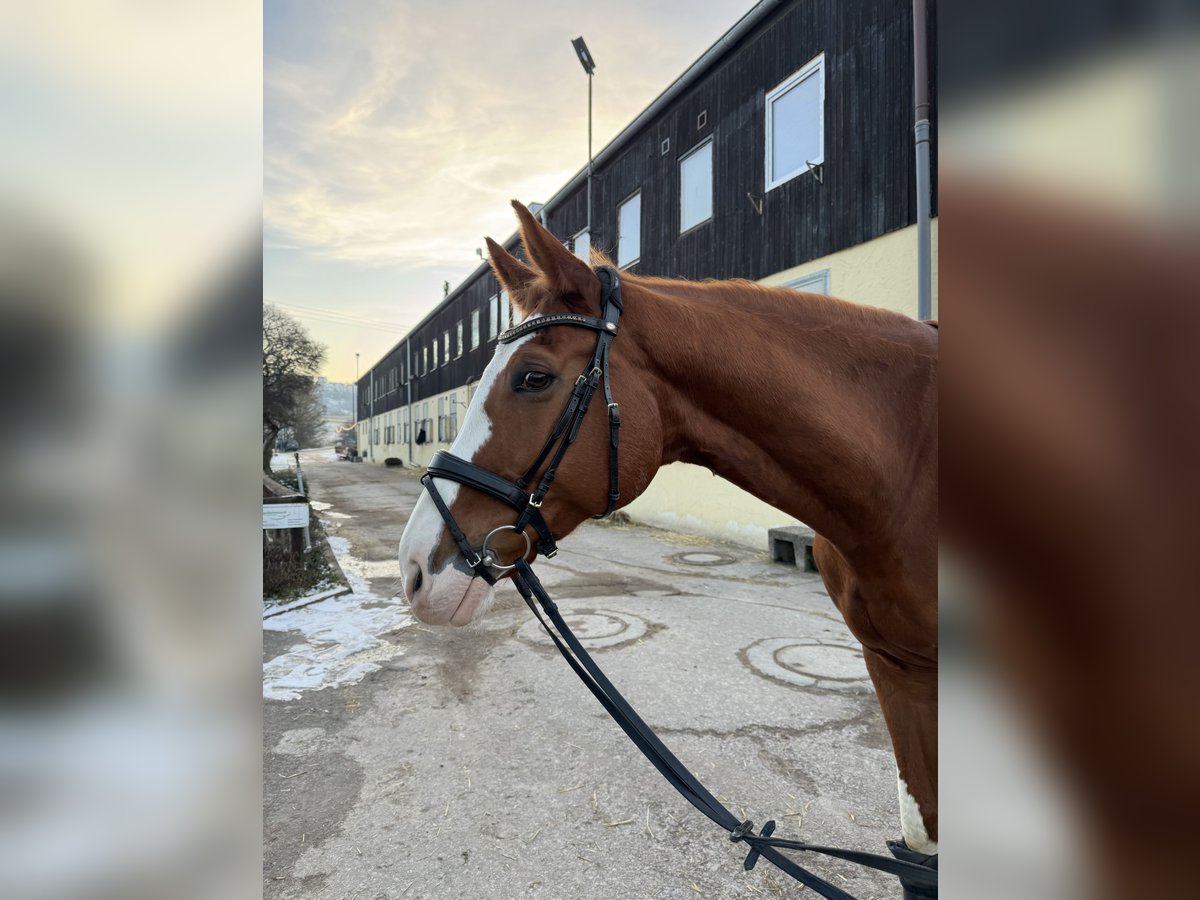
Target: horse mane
{"points": [[776, 309], [770, 300]]}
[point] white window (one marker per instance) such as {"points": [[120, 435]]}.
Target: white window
{"points": [[814, 282], [445, 346], [796, 124], [458, 336], [582, 243], [441, 420], [629, 231], [501, 313], [494, 314], [424, 360], [474, 328], [453, 418], [696, 187]]}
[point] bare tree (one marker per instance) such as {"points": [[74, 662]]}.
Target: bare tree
{"points": [[308, 425], [291, 360]]}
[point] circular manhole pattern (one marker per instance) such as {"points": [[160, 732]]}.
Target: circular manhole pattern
{"points": [[597, 629], [809, 663], [703, 558]]}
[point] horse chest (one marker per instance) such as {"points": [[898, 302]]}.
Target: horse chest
{"points": [[883, 614]]}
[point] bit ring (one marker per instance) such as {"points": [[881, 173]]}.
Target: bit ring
{"points": [[489, 558]]}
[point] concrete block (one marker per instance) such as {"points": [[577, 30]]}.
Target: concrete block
{"points": [[792, 544]]}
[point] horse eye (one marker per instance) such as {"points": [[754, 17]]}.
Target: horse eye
{"points": [[535, 381]]}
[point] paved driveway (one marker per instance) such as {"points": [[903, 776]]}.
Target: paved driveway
{"points": [[404, 761]]}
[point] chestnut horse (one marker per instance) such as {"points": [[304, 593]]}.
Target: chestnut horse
{"points": [[824, 409]]}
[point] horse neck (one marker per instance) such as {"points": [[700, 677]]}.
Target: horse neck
{"points": [[821, 408]]}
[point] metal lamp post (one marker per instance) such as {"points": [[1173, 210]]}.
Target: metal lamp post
{"points": [[921, 135], [589, 66]]}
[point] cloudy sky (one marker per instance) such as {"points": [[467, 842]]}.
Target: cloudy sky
{"points": [[396, 132]]}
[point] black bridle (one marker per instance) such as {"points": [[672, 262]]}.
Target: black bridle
{"points": [[917, 873], [526, 503]]}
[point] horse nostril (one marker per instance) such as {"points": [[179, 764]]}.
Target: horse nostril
{"points": [[417, 582]]}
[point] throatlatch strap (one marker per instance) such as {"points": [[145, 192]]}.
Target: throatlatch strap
{"points": [[614, 439], [682, 779]]}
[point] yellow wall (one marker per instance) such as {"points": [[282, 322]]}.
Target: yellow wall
{"points": [[882, 272], [691, 499]]}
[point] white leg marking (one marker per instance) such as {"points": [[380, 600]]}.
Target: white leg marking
{"points": [[912, 825]]}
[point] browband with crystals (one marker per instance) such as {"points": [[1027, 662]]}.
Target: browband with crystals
{"points": [[580, 321]]}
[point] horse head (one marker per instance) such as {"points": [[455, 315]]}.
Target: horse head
{"points": [[520, 398]]}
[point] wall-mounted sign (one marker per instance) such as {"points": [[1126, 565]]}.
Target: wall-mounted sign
{"points": [[285, 515]]}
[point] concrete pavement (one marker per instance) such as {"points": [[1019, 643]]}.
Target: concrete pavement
{"points": [[444, 763]]}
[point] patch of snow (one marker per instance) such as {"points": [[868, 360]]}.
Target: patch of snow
{"points": [[363, 568], [343, 637], [324, 593]]}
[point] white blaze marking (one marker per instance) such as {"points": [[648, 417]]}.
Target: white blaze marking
{"points": [[477, 427], [912, 825], [424, 529]]}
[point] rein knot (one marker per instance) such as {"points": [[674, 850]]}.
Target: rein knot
{"points": [[745, 832], [741, 831]]}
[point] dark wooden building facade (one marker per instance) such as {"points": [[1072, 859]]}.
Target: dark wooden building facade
{"points": [[851, 62]]}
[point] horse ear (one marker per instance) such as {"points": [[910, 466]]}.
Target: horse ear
{"points": [[567, 273], [514, 275]]}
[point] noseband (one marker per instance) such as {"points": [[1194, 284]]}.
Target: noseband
{"points": [[517, 494]]}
